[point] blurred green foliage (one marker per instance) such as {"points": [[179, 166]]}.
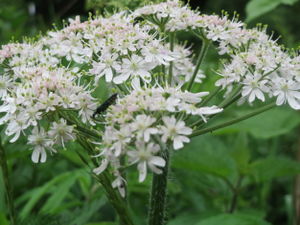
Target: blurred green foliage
{"points": [[247, 169]]}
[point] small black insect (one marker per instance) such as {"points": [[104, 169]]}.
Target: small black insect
{"points": [[111, 100]]}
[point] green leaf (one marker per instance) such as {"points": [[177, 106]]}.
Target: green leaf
{"points": [[205, 154], [102, 223], [272, 167], [241, 152], [278, 121], [2, 193], [233, 219], [59, 193], [89, 210], [185, 219], [256, 8], [3, 220], [32, 197]]}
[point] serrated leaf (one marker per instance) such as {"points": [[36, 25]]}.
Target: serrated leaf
{"points": [[233, 219], [272, 167]]}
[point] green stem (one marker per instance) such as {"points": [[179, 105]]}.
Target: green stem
{"points": [[157, 211], [172, 42], [115, 199], [73, 121], [235, 195], [210, 96], [232, 96], [203, 51], [223, 105], [113, 196], [8, 187], [228, 123]]}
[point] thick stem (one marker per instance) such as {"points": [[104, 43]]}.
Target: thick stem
{"points": [[8, 187], [157, 211], [172, 42], [228, 123], [203, 51]]}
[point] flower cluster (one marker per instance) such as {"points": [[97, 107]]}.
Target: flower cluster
{"points": [[257, 64], [141, 123], [43, 80]]}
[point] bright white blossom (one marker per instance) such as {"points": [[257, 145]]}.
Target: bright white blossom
{"points": [[41, 142], [49, 84]]}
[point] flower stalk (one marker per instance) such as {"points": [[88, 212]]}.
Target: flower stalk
{"points": [[201, 56], [158, 197], [228, 123], [104, 179], [7, 184]]}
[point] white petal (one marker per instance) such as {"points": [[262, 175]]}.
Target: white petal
{"points": [[158, 161], [142, 167]]}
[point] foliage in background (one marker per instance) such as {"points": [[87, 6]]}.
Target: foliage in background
{"points": [[261, 151]]}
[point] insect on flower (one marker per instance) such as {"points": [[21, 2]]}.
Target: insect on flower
{"points": [[111, 100]]}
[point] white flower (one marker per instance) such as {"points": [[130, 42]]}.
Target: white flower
{"points": [[60, 132], [175, 131], [105, 67], [254, 87], [142, 125], [103, 165], [5, 83], [134, 67], [122, 138], [145, 157], [287, 90], [41, 143], [209, 110]]}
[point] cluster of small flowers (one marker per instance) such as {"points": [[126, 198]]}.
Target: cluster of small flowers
{"points": [[37, 92], [116, 48], [257, 63], [263, 68], [228, 33], [61, 70], [145, 113], [35, 81], [58, 134]]}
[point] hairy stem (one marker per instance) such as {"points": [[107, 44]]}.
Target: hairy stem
{"points": [[8, 187], [172, 42], [203, 51], [228, 123], [157, 211]]}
